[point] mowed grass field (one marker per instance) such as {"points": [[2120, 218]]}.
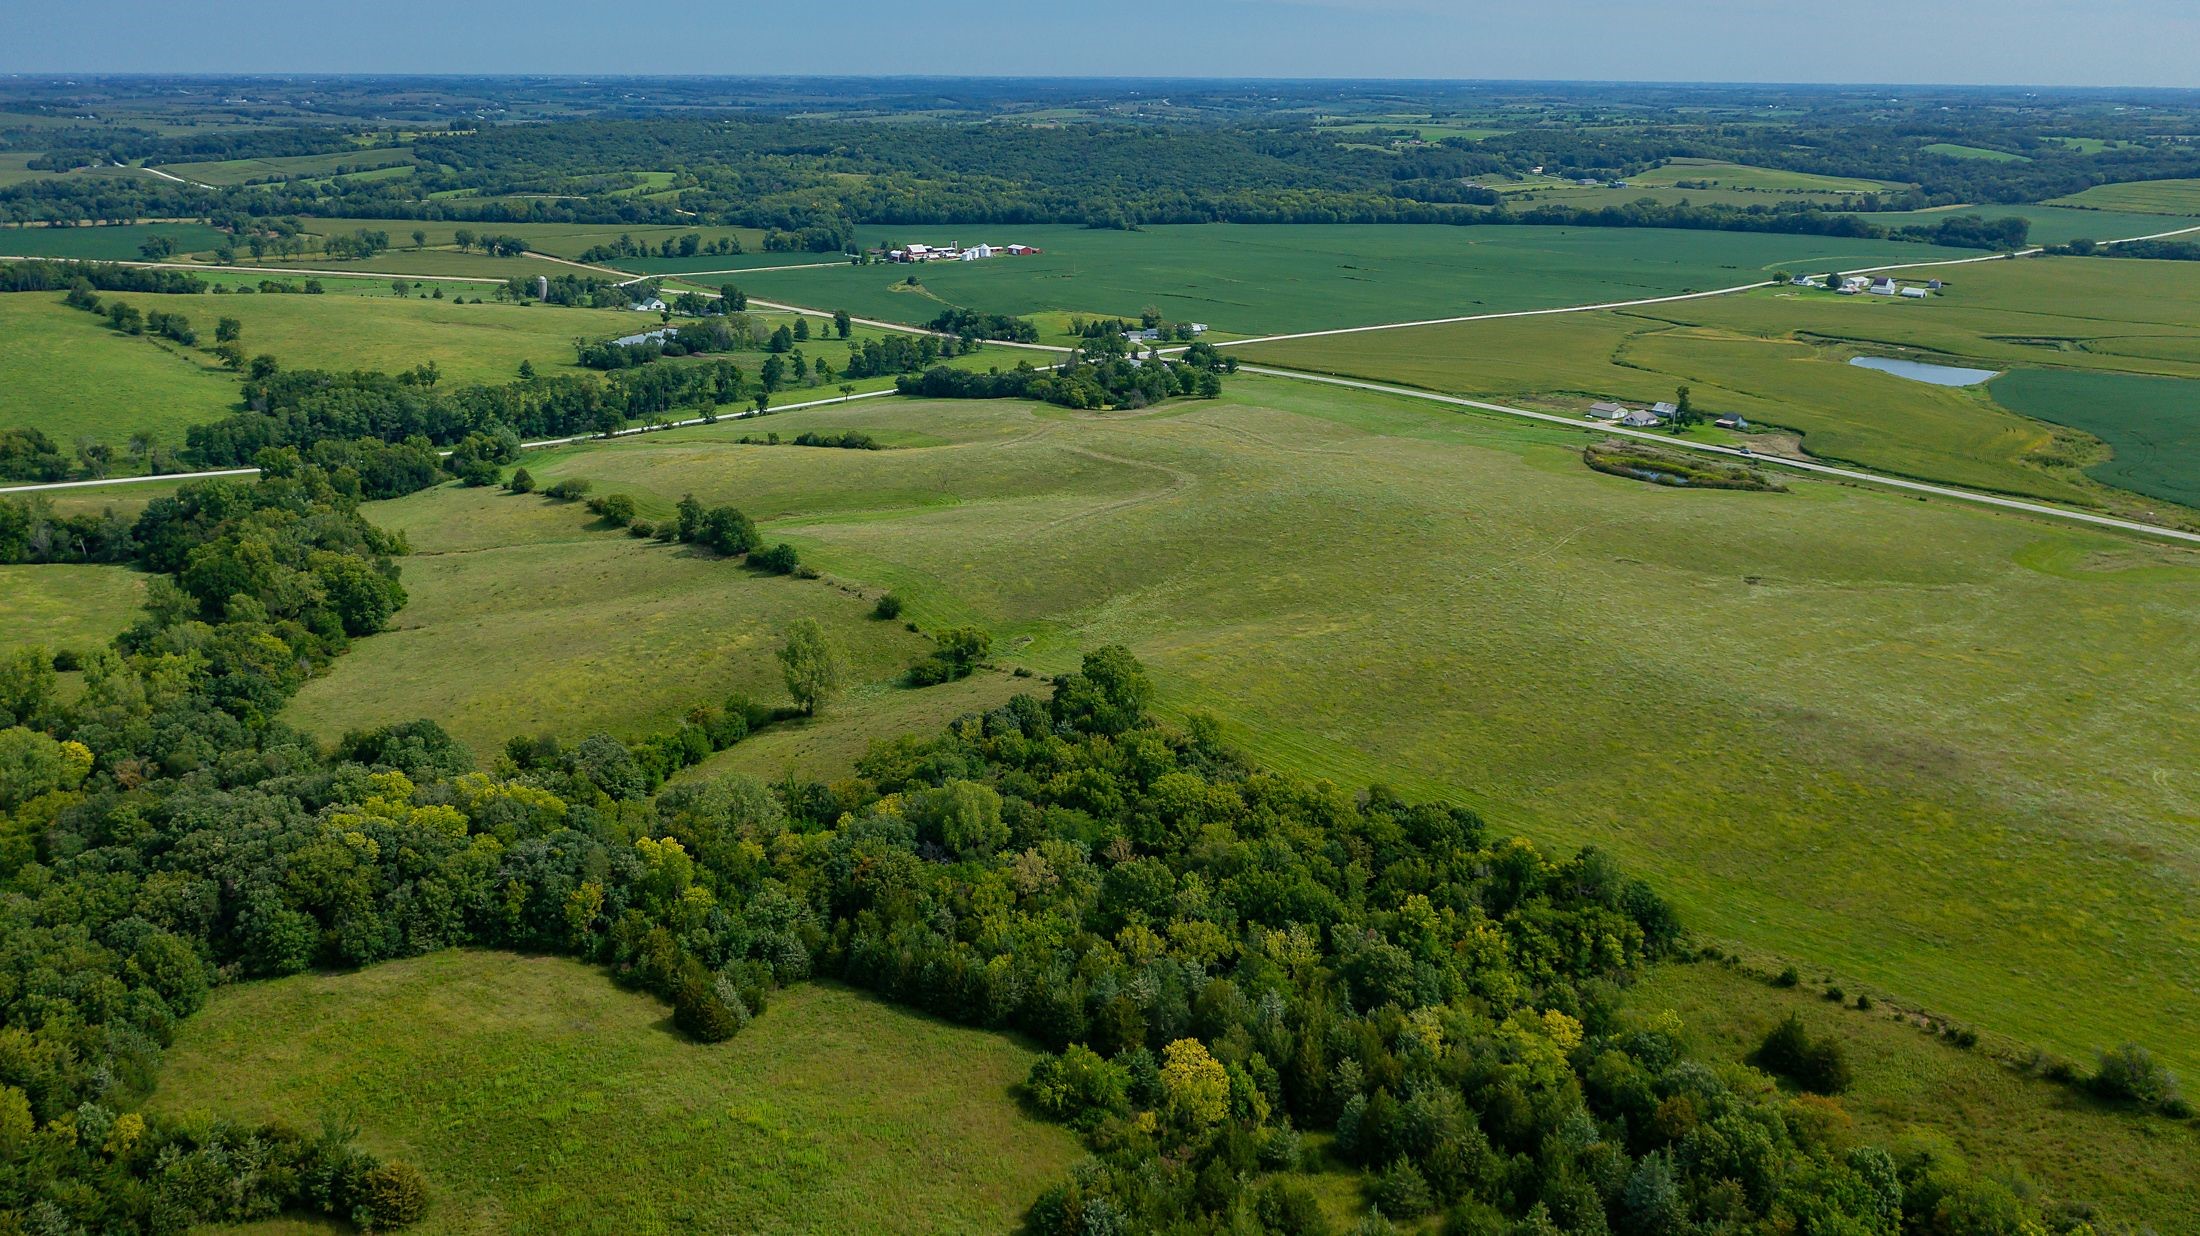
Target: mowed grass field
{"points": [[2151, 197], [2152, 424], [1913, 1090], [1941, 750], [1779, 358], [536, 1095], [1261, 279], [67, 373], [528, 616], [59, 605]]}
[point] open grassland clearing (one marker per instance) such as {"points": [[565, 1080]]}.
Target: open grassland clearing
{"points": [[69, 374], [59, 606], [2050, 225], [2150, 197], [469, 343], [1956, 150], [1913, 1090], [537, 1095], [529, 616], [106, 243], [566, 240], [290, 167], [1275, 278], [401, 259], [2152, 424], [1744, 176], [1835, 723]]}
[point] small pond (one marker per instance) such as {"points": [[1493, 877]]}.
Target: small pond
{"points": [[1919, 371]]}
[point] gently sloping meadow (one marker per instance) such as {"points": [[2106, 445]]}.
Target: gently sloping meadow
{"points": [[65, 373], [1276, 278], [536, 1094], [1837, 724]]}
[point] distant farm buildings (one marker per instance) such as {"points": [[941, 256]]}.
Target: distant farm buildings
{"points": [[954, 253]]}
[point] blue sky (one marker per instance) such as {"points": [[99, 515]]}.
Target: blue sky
{"points": [[2042, 42]]}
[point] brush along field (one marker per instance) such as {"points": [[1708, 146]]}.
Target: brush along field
{"points": [[535, 1094], [1941, 750]]}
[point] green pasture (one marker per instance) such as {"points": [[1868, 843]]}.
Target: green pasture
{"points": [[1744, 176], [566, 240], [2051, 225], [242, 171], [1258, 279], [2152, 424], [1955, 150], [537, 1095], [104, 243], [402, 259], [1940, 750], [469, 343], [530, 616], [66, 372], [59, 605], [1913, 1089], [2147, 197]]}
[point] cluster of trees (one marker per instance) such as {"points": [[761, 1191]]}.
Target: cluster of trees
{"points": [[302, 407], [969, 324], [590, 291], [902, 354], [688, 245], [2156, 250], [100, 276], [1110, 381], [359, 243]]}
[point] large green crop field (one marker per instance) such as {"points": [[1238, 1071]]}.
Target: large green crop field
{"points": [[117, 243], [1913, 1090], [536, 1095], [1277, 278], [1838, 724], [67, 373], [2152, 197], [2152, 424], [59, 606]]}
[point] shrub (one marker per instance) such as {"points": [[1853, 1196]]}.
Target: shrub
{"points": [[2130, 1074], [521, 482], [888, 608], [780, 559], [1836, 995], [391, 1195], [1816, 1065], [615, 509], [642, 529], [1864, 1003], [1788, 977], [567, 491]]}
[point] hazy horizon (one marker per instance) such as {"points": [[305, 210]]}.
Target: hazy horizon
{"points": [[2114, 44]]}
